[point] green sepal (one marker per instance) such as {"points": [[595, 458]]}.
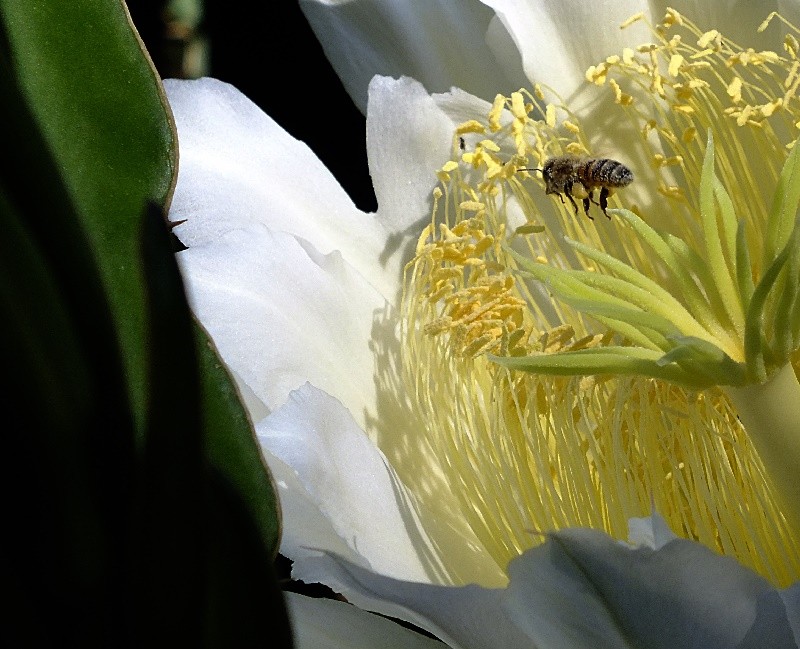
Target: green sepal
{"points": [[781, 218], [629, 361]]}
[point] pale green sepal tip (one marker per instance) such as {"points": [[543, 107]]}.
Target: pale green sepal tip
{"points": [[723, 275], [756, 346], [780, 221], [744, 276]]}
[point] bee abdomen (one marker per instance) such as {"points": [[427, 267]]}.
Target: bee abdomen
{"points": [[608, 172]]}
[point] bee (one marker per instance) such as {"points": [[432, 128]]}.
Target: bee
{"points": [[561, 173]]}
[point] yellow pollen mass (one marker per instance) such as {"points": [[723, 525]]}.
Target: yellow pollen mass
{"points": [[542, 451]]}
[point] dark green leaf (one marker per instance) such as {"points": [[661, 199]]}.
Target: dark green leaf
{"points": [[68, 460], [231, 442], [100, 106]]}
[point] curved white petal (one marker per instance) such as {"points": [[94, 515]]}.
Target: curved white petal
{"points": [[349, 481], [409, 137], [583, 589], [339, 494], [329, 624], [438, 42], [239, 168], [282, 314], [559, 39]]}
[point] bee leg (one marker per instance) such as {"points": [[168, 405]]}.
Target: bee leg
{"points": [[586, 203], [568, 192], [591, 196], [604, 201]]}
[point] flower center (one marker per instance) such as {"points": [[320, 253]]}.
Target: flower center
{"points": [[529, 452]]}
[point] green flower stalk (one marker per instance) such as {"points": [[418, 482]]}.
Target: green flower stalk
{"points": [[578, 371]]}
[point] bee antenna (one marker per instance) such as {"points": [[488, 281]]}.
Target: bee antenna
{"points": [[530, 169]]}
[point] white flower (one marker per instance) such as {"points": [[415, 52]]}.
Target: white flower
{"points": [[300, 291]]}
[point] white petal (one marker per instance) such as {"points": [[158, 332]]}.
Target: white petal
{"points": [[791, 600], [465, 617], [560, 39], [329, 624], [350, 483], [239, 168], [584, 585], [282, 314], [583, 589], [438, 42], [408, 139], [771, 627], [338, 494]]}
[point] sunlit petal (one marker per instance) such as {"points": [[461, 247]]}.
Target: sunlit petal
{"points": [[282, 314]]}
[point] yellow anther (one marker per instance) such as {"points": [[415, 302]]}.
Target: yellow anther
{"points": [[571, 126], [576, 148], [471, 206], [630, 21], [470, 126], [550, 115], [706, 39], [529, 228], [671, 18], [767, 21], [597, 74], [450, 165], [745, 115], [675, 63], [489, 145], [735, 90], [619, 96], [628, 56], [613, 59], [702, 53], [663, 161], [518, 106], [791, 45], [767, 110], [496, 111], [537, 92], [670, 191]]}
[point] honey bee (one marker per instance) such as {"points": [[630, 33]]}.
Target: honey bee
{"points": [[561, 173]]}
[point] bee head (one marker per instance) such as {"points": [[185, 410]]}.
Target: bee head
{"points": [[549, 179]]}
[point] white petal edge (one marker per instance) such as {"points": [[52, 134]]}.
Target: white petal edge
{"points": [[583, 589], [239, 168], [339, 494], [281, 314], [438, 42], [330, 624]]}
